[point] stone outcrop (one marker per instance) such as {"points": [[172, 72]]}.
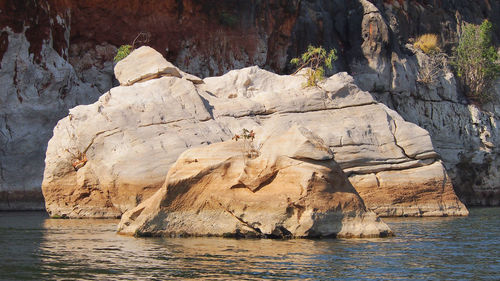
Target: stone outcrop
{"points": [[465, 135], [209, 38], [107, 157], [289, 187]]}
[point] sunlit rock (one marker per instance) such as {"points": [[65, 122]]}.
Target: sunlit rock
{"points": [[290, 187]]}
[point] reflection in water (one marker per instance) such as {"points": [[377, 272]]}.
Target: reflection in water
{"points": [[35, 247]]}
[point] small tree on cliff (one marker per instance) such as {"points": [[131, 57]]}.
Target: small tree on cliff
{"points": [[476, 61], [315, 58], [123, 52]]}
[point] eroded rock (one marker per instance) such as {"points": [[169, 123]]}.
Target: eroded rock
{"points": [[37, 88], [398, 200], [293, 188], [133, 135], [143, 64]]}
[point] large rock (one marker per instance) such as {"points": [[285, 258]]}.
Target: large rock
{"points": [[107, 157], [143, 64], [370, 37], [37, 88], [290, 187]]}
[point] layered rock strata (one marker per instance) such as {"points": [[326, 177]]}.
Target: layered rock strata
{"points": [[424, 91], [107, 157], [289, 187], [210, 38]]}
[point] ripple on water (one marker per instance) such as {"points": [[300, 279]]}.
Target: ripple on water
{"points": [[34, 247]]}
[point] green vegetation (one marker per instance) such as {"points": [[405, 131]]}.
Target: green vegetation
{"points": [[58, 217], [123, 52], [315, 58], [428, 43], [476, 62]]}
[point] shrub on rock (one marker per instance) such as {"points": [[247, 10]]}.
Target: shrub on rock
{"points": [[476, 61]]}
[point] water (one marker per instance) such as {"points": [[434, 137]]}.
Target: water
{"points": [[34, 247]]}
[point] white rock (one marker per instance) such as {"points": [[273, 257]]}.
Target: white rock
{"points": [[143, 64], [133, 134]]}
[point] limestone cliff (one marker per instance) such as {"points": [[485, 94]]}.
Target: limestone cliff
{"points": [[56, 54], [37, 87]]}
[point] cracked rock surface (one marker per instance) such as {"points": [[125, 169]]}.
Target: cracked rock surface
{"points": [[126, 142], [292, 187]]}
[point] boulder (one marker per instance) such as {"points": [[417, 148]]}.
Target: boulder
{"points": [[143, 64], [290, 187], [107, 157]]}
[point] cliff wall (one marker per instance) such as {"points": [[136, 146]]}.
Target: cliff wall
{"points": [[56, 54], [37, 87]]}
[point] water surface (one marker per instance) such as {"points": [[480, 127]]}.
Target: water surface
{"points": [[34, 247]]}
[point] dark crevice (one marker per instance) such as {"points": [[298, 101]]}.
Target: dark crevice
{"points": [[266, 182]]}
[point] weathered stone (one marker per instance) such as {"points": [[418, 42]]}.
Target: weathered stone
{"points": [[133, 134], [293, 188], [94, 64], [464, 135], [143, 64], [37, 87], [370, 36], [386, 193], [374, 70], [128, 154]]}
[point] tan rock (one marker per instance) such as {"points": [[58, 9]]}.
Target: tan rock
{"points": [[217, 190], [143, 64], [128, 155], [431, 192]]}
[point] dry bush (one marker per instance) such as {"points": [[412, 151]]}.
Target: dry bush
{"points": [[428, 43], [248, 150], [431, 69]]}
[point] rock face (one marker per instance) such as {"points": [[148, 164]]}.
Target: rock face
{"points": [[465, 135], [290, 187], [37, 87], [211, 37], [107, 157]]}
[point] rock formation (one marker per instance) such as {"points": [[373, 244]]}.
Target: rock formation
{"points": [[105, 158], [289, 187], [464, 134], [37, 87], [68, 48]]}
